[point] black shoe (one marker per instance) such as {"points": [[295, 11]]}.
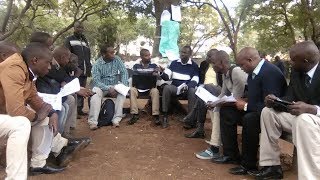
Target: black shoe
{"points": [[165, 122], [81, 113], [157, 121], [67, 152], [133, 119], [188, 126], [240, 170], [83, 142], [45, 170], [268, 172], [225, 160], [196, 134]]}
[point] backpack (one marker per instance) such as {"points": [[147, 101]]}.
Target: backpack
{"points": [[106, 113], [230, 72]]}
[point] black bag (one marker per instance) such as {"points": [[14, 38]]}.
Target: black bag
{"points": [[106, 113]]}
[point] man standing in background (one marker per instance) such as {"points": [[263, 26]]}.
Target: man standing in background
{"points": [[78, 45]]}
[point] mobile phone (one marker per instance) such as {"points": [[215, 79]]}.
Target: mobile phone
{"points": [[283, 102]]}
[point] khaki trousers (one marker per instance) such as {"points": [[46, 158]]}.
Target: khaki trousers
{"points": [[17, 131], [272, 124], [306, 137], [215, 131], [154, 94], [43, 142]]}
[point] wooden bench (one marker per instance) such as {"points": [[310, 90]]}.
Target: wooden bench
{"points": [[288, 137]]}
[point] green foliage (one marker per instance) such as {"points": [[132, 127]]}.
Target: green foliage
{"points": [[198, 25]]}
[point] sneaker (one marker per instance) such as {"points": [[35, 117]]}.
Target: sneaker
{"points": [[207, 154], [93, 127], [116, 121]]}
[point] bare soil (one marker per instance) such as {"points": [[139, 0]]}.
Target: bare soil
{"points": [[144, 151]]}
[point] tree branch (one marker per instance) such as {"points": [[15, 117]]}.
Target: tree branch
{"points": [[15, 27], [7, 16]]}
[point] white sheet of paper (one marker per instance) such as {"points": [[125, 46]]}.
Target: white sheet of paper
{"points": [[205, 95], [71, 87], [176, 13], [122, 89], [55, 100], [180, 88]]}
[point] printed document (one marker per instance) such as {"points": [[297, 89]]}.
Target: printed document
{"points": [[55, 100], [122, 89], [206, 96], [72, 87]]}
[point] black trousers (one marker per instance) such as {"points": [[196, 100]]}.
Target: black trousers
{"points": [[199, 111], [83, 83], [250, 121]]}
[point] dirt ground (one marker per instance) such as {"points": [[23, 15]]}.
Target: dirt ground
{"points": [[144, 151]]}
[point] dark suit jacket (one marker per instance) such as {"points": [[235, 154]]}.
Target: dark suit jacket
{"points": [[269, 80], [298, 92]]}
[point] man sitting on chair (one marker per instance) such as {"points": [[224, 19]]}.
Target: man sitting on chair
{"points": [[145, 68]]}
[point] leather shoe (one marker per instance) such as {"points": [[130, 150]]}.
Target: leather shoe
{"points": [[45, 170], [165, 122], [268, 172], [240, 170], [225, 160], [188, 126], [83, 142], [67, 152], [157, 121], [196, 134]]}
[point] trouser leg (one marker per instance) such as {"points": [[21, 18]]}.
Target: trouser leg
{"points": [[154, 93], [272, 124], [134, 101], [17, 130], [118, 108], [95, 105], [306, 137], [83, 83], [168, 91], [43, 142], [71, 115], [215, 131], [250, 139], [62, 117], [229, 116], [191, 98]]}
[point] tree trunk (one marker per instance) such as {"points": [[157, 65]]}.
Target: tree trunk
{"points": [[159, 6]]}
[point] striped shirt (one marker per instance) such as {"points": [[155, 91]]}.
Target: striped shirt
{"points": [[107, 74], [140, 69], [182, 73]]}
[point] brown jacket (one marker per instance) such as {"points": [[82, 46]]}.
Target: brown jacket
{"points": [[17, 90]]}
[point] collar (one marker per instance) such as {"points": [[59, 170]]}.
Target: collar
{"points": [[258, 67], [312, 71], [189, 61], [143, 64], [32, 75]]}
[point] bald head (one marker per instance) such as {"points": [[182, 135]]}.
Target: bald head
{"points": [[7, 49], [304, 56], [78, 28], [62, 55], [248, 59]]}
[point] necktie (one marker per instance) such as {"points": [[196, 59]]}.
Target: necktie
{"points": [[307, 80]]}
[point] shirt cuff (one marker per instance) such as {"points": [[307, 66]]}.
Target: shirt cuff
{"points": [[318, 111]]}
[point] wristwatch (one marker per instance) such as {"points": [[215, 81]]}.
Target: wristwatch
{"points": [[245, 108]]}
